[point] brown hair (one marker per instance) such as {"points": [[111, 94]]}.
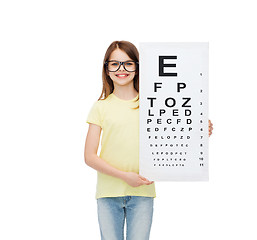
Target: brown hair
{"points": [[132, 52]]}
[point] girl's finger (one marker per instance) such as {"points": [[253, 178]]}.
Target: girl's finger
{"points": [[143, 178], [150, 183], [146, 182]]}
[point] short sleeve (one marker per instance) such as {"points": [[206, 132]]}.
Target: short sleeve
{"points": [[94, 115]]}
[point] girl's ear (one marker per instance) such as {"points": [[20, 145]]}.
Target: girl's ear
{"points": [[106, 71], [137, 70]]}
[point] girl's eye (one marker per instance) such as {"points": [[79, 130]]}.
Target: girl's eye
{"points": [[114, 64], [129, 63]]}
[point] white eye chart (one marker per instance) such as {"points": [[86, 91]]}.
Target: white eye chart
{"points": [[173, 113]]}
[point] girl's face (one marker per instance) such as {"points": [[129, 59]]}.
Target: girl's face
{"points": [[121, 77]]}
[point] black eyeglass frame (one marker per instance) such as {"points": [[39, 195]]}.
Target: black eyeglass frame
{"points": [[121, 63]]}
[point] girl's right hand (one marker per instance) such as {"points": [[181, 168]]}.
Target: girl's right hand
{"points": [[135, 180]]}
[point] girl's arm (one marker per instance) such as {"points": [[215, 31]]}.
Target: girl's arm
{"points": [[92, 160]]}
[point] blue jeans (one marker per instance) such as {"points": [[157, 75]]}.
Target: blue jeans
{"points": [[112, 212]]}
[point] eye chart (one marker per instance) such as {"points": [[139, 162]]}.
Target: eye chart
{"points": [[173, 113]]}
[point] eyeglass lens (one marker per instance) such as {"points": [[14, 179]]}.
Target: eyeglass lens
{"points": [[113, 66]]}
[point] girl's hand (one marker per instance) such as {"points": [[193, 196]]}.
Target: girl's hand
{"points": [[135, 180], [210, 128]]}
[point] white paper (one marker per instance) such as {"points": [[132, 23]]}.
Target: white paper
{"points": [[173, 137]]}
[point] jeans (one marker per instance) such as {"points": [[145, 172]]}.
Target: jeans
{"points": [[112, 212]]}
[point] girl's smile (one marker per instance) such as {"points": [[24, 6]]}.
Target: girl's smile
{"points": [[121, 75]]}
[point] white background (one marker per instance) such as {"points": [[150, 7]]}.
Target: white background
{"points": [[51, 60]]}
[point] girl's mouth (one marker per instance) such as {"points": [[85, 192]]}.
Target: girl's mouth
{"points": [[121, 75]]}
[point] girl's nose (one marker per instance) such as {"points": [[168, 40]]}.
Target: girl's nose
{"points": [[122, 67]]}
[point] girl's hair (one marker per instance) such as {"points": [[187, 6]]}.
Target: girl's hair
{"points": [[132, 52]]}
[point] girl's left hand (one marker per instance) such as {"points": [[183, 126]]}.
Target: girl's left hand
{"points": [[210, 128]]}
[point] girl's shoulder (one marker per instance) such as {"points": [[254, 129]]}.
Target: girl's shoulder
{"points": [[101, 103], [104, 101]]}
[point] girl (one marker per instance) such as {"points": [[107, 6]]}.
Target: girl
{"points": [[121, 192]]}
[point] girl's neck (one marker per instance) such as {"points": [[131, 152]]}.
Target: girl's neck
{"points": [[125, 95]]}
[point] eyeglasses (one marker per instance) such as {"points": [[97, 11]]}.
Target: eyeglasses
{"points": [[114, 66]]}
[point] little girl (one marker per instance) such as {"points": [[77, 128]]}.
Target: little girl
{"points": [[121, 192]]}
